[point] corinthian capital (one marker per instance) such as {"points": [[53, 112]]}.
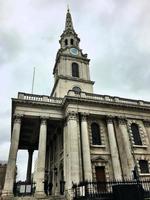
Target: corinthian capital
{"points": [[122, 121], [146, 123], [72, 115], [17, 118], [84, 116], [44, 120], [109, 119]]}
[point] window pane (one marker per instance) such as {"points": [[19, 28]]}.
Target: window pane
{"points": [[75, 70], [136, 134], [66, 42], [96, 140], [71, 41], [144, 166]]}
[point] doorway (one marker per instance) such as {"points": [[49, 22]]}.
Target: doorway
{"points": [[100, 178]]}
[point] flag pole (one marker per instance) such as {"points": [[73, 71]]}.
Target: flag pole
{"points": [[33, 80]]}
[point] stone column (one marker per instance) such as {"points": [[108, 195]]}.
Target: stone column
{"points": [[147, 128], [11, 165], [73, 150], [114, 150], [65, 153], [86, 149], [29, 167], [127, 155], [40, 175]]}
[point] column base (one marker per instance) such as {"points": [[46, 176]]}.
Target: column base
{"points": [[40, 195], [7, 195]]}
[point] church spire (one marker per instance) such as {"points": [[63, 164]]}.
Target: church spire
{"points": [[71, 69], [69, 37], [68, 24]]}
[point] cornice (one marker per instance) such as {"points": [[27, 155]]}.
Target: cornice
{"points": [[75, 79], [70, 79], [106, 103], [35, 103], [84, 59], [89, 102]]}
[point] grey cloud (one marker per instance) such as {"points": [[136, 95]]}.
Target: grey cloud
{"points": [[10, 46], [4, 113], [4, 149], [5, 131]]}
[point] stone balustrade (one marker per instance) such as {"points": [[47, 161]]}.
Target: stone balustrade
{"points": [[89, 96], [35, 97], [108, 98]]}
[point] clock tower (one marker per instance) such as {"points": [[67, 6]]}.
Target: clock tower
{"points": [[71, 70]]}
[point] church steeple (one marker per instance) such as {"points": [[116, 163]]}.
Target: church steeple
{"points": [[71, 70], [68, 24], [69, 37]]}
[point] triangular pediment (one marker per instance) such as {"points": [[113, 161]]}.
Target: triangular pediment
{"points": [[98, 159]]}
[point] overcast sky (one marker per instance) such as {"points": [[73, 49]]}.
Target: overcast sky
{"points": [[114, 33]]}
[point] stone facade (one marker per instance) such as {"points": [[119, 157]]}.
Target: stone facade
{"points": [[2, 175], [79, 135]]}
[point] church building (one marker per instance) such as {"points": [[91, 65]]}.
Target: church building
{"points": [[79, 135]]}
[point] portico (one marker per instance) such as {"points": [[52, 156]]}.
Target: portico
{"points": [[31, 131], [80, 136]]}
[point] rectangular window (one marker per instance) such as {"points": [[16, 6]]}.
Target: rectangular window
{"points": [[144, 166], [136, 134]]}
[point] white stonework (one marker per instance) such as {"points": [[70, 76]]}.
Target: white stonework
{"points": [[40, 175], [11, 165], [60, 128], [114, 150], [73, 150], [86, 149]]}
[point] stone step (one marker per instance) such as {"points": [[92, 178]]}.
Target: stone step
{"points": [[25, 198], [52, 197]]}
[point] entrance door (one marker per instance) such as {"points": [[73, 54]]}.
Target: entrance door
{"points": [[62, 182], [100, 178]]}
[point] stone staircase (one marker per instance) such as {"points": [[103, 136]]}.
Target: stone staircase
{"points": [[61, 197]]}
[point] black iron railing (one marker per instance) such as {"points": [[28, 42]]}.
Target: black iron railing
{"points": [[28, 189], [105, 190], [24, 188]]}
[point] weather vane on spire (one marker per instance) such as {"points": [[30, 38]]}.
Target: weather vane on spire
{"points": [[68, 7]]}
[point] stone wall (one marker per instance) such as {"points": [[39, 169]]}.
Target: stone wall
{"points": [[2, 175]]}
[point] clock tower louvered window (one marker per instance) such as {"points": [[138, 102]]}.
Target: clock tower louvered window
{"points": [[75, 70]]}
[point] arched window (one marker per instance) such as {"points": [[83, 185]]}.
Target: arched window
{"points": [[75, 70], [71, 41], [96, 140], [136, 134], [66, 42], [77, 90], [143, 166]]}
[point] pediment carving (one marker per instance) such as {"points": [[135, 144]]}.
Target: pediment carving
{"points": [[98, 159]]}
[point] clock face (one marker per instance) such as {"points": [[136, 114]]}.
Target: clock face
{"points": [[74, 51]]}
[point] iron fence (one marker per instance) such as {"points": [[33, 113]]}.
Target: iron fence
{"points": [[24, 188], [105, 190]]}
